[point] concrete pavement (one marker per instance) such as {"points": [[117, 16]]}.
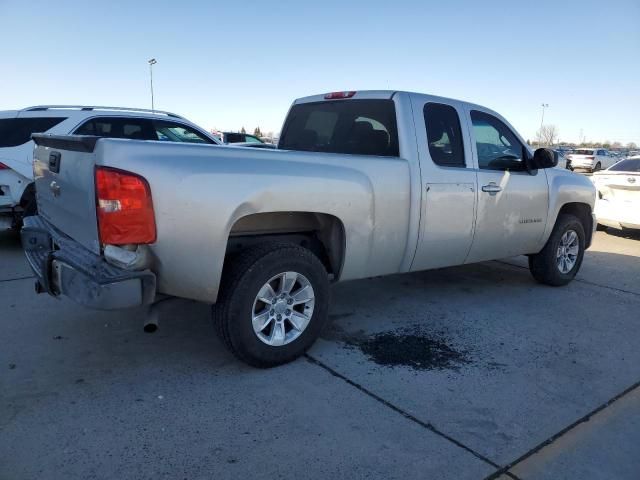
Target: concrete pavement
{"points": [[470, 372]]}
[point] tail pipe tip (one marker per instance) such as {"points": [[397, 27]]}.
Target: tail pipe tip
{"points": [[151, 319]]}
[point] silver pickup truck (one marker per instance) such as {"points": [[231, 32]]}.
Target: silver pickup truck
{"points": [[363, 184]]}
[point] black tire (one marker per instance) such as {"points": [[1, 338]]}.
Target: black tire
{"points": [[243, 278], [30, 208], [597, 168], [543, 265]]}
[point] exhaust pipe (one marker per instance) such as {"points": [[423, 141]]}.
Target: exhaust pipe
{"points": [[151, 319], [153, 313]]}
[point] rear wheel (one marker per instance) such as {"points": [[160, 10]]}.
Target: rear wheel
{"points": [[29, 207], [560, 259], [273, 304], [597, 168]]}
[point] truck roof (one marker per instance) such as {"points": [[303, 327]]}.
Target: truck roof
{"points": [[377, 94]]}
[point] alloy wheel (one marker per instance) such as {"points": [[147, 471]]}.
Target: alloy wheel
{"points": [[283, 308]]}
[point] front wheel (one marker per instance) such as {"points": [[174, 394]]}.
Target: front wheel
{"points": [[273, 304], [560, 259]]}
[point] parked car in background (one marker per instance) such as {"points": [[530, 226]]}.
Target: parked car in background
{"points": [[618, 198], [255, 145], [237, 139], [590, 159], [562, 159], [363, 184], [17, 194]]}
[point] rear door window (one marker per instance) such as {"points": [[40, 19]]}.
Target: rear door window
{"points": [[444, 135], [17, 131], [115, 127], [234, 137], [360, 127]]}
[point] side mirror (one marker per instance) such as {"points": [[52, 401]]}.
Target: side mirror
{"points": [[544, 158]]}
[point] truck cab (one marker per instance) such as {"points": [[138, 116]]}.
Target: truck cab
{"points": [[474, 193]]}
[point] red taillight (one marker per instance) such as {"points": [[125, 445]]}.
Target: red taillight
{"points": [[589, 158], [3, 166], [338, 95], [124, 207]]}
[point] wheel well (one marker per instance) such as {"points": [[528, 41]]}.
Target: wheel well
{"points": [[583, 212], [321, 233], [28, 194]]}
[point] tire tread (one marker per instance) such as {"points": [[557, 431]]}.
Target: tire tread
{"points": [[542, 265], [233, 284]]}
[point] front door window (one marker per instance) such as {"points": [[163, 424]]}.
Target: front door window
{"points": [[498, 147]]}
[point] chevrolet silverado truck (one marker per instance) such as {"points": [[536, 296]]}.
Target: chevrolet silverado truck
{"points": [[363, 184]]}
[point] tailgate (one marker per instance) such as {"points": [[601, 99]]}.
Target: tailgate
{"points": [[65, 186]]}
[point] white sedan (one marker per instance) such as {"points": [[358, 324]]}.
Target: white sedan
{"points": [[618, 197], [590, 159]]}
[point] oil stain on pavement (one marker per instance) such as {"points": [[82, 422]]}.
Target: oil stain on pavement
{"points": [[406, 347]]}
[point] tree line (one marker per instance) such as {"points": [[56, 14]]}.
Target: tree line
{"points": [[256, 132], [550, 135]]}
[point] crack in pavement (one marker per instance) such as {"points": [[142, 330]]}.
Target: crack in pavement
{"points": [[561, 433], [17, 278], [587, 282], [500, 470], [408, 416]]}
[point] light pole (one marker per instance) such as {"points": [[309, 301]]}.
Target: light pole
{"points": [[544, 105], [152, 62]]}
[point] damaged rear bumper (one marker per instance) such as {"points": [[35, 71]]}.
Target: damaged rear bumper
{"points": [[64, 267]]}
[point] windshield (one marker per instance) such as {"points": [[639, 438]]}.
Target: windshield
{"points": [[630, 165], [252, 139], [361, 127]]}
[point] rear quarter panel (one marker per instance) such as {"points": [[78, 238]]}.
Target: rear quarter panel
{"points": [[199, 192]]}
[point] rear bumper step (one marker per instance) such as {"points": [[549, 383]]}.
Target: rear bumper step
{"points": [[64, 267]]}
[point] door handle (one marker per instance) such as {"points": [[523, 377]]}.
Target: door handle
{"points": [[492, 188]]}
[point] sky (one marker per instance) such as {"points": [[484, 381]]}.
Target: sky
{"points": [[229, 65]]}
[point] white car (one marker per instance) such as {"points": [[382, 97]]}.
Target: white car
{"points": [[618, 199], [562, 159], [591, 159], [17, 194]]}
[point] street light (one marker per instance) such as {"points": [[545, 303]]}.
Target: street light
{"points": [[544, 105], [152, 62]]}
